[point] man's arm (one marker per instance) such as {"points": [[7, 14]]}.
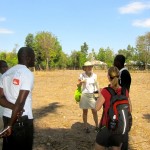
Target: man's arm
{"points": [[130, 104], [4, 102], [18, 107], [99, 103]]}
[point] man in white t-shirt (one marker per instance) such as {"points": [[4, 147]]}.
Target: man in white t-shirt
{"points": [[15, 93]]}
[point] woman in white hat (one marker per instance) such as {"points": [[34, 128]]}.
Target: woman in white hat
{"points": [[88, 81]]}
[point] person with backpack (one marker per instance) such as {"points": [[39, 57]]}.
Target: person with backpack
{"points": [[124, 81], [116, 104], [89, 84]]}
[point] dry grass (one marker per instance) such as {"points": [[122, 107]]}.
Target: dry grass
{"points": [[58, 120]]}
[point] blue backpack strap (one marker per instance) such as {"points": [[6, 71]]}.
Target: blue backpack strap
{"points": [[112, 93]]}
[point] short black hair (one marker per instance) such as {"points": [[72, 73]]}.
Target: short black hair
{"points": [[24, 51], [120, 58], [3, 63]]}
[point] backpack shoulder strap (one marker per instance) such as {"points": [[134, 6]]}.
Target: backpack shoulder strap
{"points": [[110, 90]]}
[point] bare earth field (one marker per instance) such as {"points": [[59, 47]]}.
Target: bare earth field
{"points": [[58, 118]]}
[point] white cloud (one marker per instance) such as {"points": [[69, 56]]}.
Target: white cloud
{"points": [[142, 23], [5, 31], [134, 8], [2, 19]]}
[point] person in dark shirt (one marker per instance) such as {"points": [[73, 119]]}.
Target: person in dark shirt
{"points": [[124, 81], [3, 66], [125, 77]]}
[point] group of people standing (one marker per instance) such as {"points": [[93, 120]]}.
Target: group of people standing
{"points": [[118, 77], [16, 86]]}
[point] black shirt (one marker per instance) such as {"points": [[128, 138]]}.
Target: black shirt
{"points": [[125, 79]]}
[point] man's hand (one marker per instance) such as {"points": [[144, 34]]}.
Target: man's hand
{"points": [[6, 131], [19, 114], [83, 81]]}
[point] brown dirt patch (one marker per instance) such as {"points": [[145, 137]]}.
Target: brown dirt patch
{"points": [[58, 119]]}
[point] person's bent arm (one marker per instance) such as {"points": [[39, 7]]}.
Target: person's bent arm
{"points": [[18, 107], [99, 103], [4, 102], [80, 82], [130, 105]]}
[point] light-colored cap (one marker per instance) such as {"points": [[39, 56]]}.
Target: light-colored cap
{"points": [[88, 63]]}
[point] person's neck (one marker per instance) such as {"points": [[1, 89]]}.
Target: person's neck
{"points": [[23, 64], [121, 67], [88, 73], [115, 88]]}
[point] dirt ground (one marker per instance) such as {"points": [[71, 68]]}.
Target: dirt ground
{"points": [[58, 119]]}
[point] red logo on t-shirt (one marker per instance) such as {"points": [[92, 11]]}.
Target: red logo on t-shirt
{"points": [[16, 81]]}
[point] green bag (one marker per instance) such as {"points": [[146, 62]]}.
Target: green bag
{"points": [[77, 94]]}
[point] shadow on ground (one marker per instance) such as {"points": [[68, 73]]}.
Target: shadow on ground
{"points": [[73, 138], [65, 139], [146, 116], [51, 108]]}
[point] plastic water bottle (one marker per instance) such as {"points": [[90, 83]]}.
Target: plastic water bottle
{"points": [[113, 123]]}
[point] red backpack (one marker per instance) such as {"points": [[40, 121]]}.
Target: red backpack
{"points": [[118, 118]]}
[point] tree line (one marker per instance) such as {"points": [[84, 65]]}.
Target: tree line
{"points": [[49, 53]]}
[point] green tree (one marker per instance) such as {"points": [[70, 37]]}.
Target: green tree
{"points": [[106, 56], [11, 58], [47, 49], [109, 56], [3, 55], [92, 56], [101, 54], [130, 53], [77, 59], [143, 47], [74, 59], [29, 40], [84, 49], [62, 60]]}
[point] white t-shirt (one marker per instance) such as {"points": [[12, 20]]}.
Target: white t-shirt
{"points": [[90, 84], [15, 79], [120, 71]]}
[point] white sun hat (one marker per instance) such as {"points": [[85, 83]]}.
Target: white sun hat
{"points": [[87, 63]]}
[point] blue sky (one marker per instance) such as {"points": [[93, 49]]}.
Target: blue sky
{"points": [[99, 23]]}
